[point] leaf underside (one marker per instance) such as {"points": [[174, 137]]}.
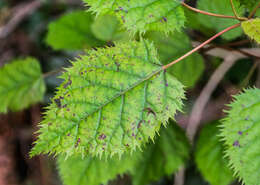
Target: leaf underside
{"points": [[240, 131], [141, 16], [173, 46], [217, 24], [111, 101], [21, 84], [209, 156], [72, 31], [144, 167], [252, 29]]}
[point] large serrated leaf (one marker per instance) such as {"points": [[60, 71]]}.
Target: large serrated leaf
{"points": [[164, 158], [173, 46], [72, 31], [209, 156], [168, 154], [217, 24], [241, 133], [141, 16], [21, 84], [112, 100], [252, 29]]}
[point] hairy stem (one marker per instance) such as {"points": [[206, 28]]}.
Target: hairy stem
{"points": [[200, 46], [254, 11], [213, 14]]}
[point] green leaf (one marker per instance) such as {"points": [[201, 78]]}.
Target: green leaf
{"points": [[92, 171], [21, 84], [216, 23], [165, 157], [107, 28], [171, 47], [240, 131], [249, 3], [72, 32], [252, 29], [141, 16], [111, 101], [209, 156]]}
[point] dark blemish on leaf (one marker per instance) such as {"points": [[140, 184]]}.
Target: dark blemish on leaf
{"points": [[240, 133], [58, 102], [67, 84], [102, 137], [117, 66], [78, 141], [74, 114], [236, 144], [123, 19], [139, 124], [150, 111]]}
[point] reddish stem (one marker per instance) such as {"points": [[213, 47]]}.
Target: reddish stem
{"points": [[200, 46], [213, 14]]}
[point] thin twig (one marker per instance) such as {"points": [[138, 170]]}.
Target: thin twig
{"points": [[204, 97], [179, 177], [52, 73], [201, 46], [234, 10], [254, 11], [19, 14], [213, 14]]}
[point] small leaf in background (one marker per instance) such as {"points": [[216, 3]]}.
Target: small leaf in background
{"points": [[171, 47], [240, 132], [169, 153], [112, 100], [216, 23], [209, 156], [252, 29], [107, 28], [72, 32], [165, 157], [142, 16], [92, 171], [21, 84], [249, 3]]}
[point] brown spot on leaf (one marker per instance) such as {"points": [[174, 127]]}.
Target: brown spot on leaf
{"points": [[102, 137]]}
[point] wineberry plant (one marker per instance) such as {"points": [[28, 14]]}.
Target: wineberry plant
{"points": [[115, 111]]}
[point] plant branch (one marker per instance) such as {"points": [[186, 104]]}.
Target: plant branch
{"points": [[205, 95], [213, 14], [20, 13], [51, 73], [254, 11], [200, 46], [234, 10]]}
